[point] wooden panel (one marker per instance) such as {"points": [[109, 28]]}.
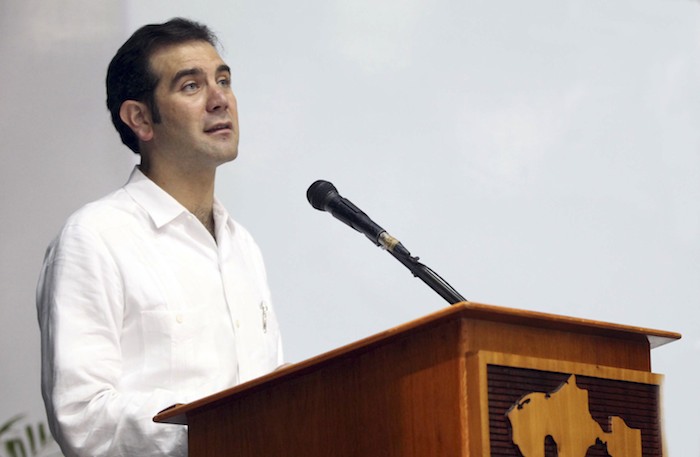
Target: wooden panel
{"points": [[505, 387], [612, 393], [527, 340], [495, 322], [412, 391], [402, 399]]}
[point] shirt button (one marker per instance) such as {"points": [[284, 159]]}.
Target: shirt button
{"points": [[238, 323], [179, 318]]}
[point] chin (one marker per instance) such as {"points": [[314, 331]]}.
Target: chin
{"points": [[222, 153], [229, 156]]}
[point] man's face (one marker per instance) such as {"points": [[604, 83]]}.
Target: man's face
{"points": [[198, 112]]}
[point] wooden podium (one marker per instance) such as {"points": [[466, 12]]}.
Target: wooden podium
{"points": [[469, 380]]}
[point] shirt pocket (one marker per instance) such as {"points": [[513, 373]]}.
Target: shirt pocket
{"points": [[180, 344]]}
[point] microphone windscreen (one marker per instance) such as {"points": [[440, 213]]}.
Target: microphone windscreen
{"points": [[319, 193]]}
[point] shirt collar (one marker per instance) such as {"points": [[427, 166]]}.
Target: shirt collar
{"points": [[160, 205]]}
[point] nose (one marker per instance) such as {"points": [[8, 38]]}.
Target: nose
{"points": [[218, 98]]}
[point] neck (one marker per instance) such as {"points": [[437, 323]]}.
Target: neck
{"points": [[194, 191], [206, 217]]}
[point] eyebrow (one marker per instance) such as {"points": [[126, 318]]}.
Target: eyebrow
{"points": [[195, 72]]}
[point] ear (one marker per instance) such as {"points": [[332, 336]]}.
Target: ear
{"points": [[137, 116]]}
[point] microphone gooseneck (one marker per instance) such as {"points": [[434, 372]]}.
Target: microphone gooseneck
{"points": [[325, 197]]}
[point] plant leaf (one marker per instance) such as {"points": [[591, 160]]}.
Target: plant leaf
{"points": [[7, 425]]}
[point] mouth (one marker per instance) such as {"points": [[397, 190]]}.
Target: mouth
{"points": [[218, 127]]}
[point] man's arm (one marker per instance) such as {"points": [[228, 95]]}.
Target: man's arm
{"points": [[80, 309]]}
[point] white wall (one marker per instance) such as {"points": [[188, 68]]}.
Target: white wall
{"points": [[58, 151], [542, 155]]}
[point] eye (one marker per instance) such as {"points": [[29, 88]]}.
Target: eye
{"points": [[224, 81], [190, 87]]}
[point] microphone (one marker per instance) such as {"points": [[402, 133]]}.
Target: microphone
{"points": [[325, 197]]}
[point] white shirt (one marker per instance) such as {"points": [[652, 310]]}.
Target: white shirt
{"points": [[139, 308]]}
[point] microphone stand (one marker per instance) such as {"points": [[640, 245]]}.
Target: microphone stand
{"points": [[325, 197], [428, 276]]}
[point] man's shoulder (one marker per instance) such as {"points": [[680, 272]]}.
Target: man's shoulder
{"points": [[113, 210], [99, 223]]}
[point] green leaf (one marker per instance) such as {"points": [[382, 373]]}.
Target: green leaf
{"points": [[31, 443], [30, 437], [7, 425], [13, 445]]}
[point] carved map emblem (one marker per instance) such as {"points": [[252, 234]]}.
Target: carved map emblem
{"points": [[564, 416]]}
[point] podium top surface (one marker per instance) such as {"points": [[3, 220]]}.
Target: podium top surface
{"points": [[177, 414], [656, 338]]}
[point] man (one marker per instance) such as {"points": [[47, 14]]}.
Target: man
{"points": [[153, 295]]}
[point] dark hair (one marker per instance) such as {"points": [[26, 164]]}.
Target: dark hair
{"points": [[129, 76]]}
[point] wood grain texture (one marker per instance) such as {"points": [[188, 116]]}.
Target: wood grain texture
{"points": [[414, 390], [399, 399]]}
